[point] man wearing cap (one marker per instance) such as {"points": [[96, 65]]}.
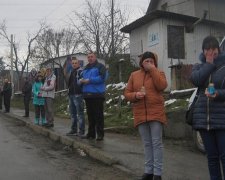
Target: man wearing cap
{"points": [[48, 91]]}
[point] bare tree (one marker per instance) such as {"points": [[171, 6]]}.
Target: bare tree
{"points": [[19, 61], [2, 65], [95, 28], [52, 44]]}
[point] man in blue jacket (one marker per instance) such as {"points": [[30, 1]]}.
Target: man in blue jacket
{"points": [[93, 80]]}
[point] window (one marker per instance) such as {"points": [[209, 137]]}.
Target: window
{"points": [[175, 42]]}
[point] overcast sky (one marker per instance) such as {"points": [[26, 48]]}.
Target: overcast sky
{"points": [[23, 16]]}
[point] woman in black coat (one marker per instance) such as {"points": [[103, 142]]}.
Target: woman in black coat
{"points": [[7, 93], [209, 111]]}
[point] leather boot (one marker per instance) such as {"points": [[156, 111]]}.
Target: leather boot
{"points": [[147, 177], [157, 177]]}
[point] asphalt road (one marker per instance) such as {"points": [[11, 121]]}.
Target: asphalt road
{"points": [[25, 155]]}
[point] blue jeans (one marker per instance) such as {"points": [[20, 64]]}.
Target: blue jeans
{"points": [[151, 135], [77, 113], [214, 142]]}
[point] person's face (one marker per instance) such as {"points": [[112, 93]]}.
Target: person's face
{"points": [[75, 64], [6, 80], [91, 58], [39, 78], [148, 61], [148, 64], [212, 52], [48, 71]]}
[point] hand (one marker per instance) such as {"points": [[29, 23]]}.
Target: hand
{"points": [[84, 81], [210, 55], [210, 95], [148, 65], [140, 95]]}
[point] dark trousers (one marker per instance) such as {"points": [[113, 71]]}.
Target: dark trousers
{"points": [[39, 111], [0, 101], [7, 100], [214, 142], [26, 101], [95, 116]]}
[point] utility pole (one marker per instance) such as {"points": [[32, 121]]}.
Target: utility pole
{"points": [[112, 35], [11, 73]]}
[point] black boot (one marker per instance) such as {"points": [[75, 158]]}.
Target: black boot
{"points": [[147, 176], [157, 177]]}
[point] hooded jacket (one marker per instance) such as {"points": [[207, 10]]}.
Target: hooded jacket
{"points": [[49, 86], [97, 75], [151, 107], [209, 113]]}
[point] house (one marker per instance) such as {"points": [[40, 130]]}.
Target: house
{"points": [[62, 67], [174, 29]]}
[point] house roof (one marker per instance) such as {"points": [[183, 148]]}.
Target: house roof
{"points": [[167, 15], [152, 6]]}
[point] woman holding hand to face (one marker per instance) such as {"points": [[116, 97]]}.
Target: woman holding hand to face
{"points": [[144, 90]]}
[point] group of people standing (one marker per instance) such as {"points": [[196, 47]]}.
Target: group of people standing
{"points": [[87, 84], [43, 90], [144, 89]]}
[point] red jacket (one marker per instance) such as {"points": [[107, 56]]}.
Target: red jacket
{"points": [[152, 106]]}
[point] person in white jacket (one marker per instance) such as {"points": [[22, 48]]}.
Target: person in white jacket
{"points": [[48, 91]]}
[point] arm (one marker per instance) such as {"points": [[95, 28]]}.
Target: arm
{"points": [[51, 85], [159, 79], [101, 77], [200, 73], [129, 93]]}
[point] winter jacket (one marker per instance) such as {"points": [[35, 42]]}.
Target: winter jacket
{"points": [[49, 86], [96, 73], [27, 89], [151, 108], [37, 100], [7, 90], [209, 113], [74, 87]]}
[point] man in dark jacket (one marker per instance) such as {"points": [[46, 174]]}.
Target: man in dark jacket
{"points": [[27, 92], [76, 100], [7, 93]]}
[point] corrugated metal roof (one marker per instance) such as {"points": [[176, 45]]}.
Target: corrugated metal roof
{"points": [[167, 15]]}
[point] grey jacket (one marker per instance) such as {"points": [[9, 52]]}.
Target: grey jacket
{"points": [[49, 86]]}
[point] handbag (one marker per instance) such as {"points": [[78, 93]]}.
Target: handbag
{"points": [[190, 110]]}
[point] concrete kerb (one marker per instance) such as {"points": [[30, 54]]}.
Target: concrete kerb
{"points": [[90, 150], [96, 153]]}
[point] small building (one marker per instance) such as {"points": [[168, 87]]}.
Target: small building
{"points": [[174, 29]]}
